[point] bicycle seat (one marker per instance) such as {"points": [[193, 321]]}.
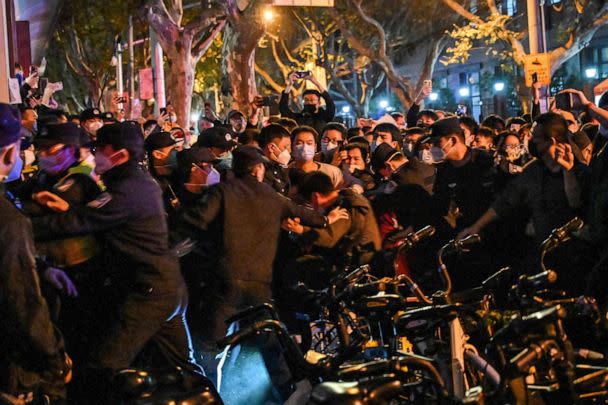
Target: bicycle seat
{"points": [[143, 387], [412, 318], [337, 393]]}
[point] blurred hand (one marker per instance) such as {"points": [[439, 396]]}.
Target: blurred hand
{"points": [[61, 281], [52, 201], [292, 78], [337, 214], [336, 160], [564, 155], [579, 94], [163, 119], [293, 225], [472, 230]]}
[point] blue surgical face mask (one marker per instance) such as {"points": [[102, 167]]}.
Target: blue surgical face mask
{"points": [[225, 161], [15, 173], [305, 153]]}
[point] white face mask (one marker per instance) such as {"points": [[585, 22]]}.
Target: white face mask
{"points": [[213, 177], [283, 157], [327, 146], [304, 153]]}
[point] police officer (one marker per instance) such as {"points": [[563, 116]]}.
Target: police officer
{"points": [[245, 215], [162, 163], [32, 359], [130, 218]]}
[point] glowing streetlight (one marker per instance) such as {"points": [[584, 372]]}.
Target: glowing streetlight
{"points": [[499, 86], [591, 73], [268, 15], [194, 117], [434, 96], [464, 92], [383, 104], [346, 109]]}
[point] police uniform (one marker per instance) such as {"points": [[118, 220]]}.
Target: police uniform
{"points": [[31, 354], [131, 221]]}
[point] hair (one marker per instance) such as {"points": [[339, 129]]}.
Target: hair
{"points": [[585, 118], [335, 126], [494, 122], [249, 136], [591, 130], [502, 138], [354, 131], [397, 114], [390, 128], [315, 182], [311, 91], [415, 131], [271, 132], [603, 101], [470, 123], [363, 148], [288, 123], [148, 124], [553, 125], [485, 132], [303, 128], [428, 113]]}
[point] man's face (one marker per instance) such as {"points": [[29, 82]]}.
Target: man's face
{"points": [[218, 152], [92, 125], [28, 119], [384, 137], [511, 148], [426, 120], [400, 120], [311, 99], [514, 127], [333, 137], [355, 160], [482, 142], [544, 146], [305, 138], [238, 123]]}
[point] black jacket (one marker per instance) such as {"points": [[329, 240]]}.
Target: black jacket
{"points": [[29, 340], [316, 120], [246, 215], [131, 220]]}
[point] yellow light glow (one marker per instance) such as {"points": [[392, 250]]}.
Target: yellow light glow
{"points": [[268, 15]]}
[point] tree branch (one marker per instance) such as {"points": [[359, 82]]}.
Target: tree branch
{"points": [[462, 11], [201, 47], [275, 86]]}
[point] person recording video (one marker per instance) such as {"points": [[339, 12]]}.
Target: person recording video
{"points": [[312, 114]]}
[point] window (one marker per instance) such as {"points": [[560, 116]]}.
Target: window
{"points": [[511, 7], [603, 62]]}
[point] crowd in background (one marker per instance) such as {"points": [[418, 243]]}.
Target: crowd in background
{"points": [[142, 232]]}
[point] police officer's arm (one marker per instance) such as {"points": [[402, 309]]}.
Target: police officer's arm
{"points": [[308, 217], [105, 212], [27, 311], [327, 237], [205, 210]]}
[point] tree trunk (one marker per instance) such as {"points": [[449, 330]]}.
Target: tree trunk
{"points": [[181, 80], [239, 65]]}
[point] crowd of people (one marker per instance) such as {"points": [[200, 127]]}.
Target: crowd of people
{"points": [[121, 238]]}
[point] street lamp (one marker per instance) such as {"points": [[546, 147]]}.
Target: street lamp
{"points": [[433, 96], [464, 92], [383, 104], [268, 15], [194, 117], [346, 109], [499, 86], [591, 73]]}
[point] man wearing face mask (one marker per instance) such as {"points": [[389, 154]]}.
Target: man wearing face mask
{"points": [[304, 150], [332, 138], [356, 162], [162, 163], [275, 142], [354, 240], [91, 121], [312, 114], [245, 215], [389, 134], [548, 188], [464, 184], [32, 358], [150, 294], [220, 143]]}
